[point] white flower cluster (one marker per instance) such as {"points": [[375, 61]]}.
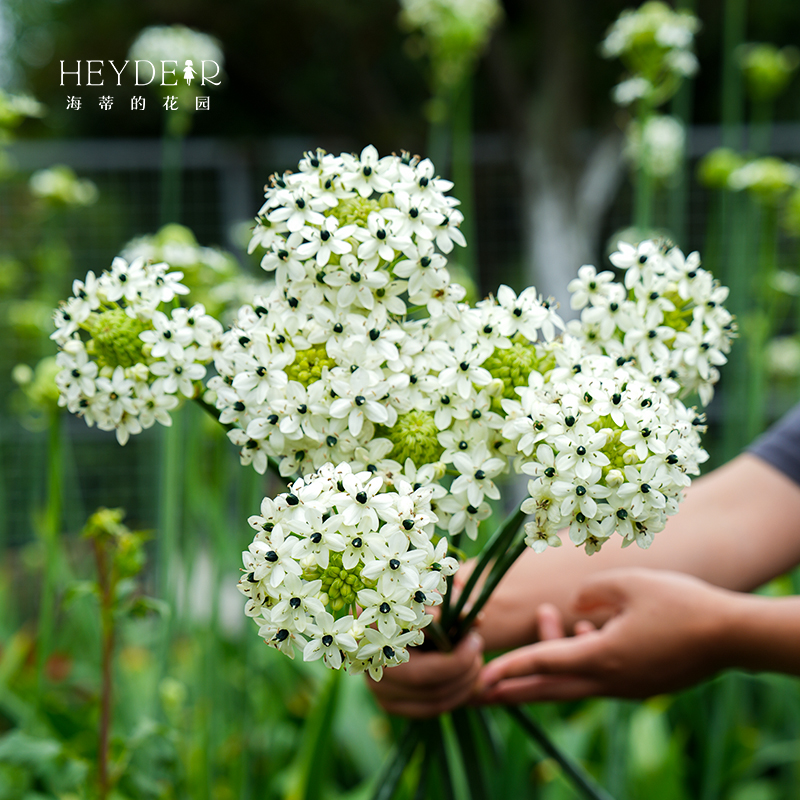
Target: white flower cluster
{"points": [[175, 43], [124, 360], [768, 178], [655, 44], [606, 451], [656, 145], [330, 367], [668, 318], [436, 18], [343, 571]]}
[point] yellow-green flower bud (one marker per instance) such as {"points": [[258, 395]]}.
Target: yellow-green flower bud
{"points": [[415, 436], [115, 338], [767, 70], [308, 365], [354, 211], [715, 167]]}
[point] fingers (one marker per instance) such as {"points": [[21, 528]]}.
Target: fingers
{"points": [[549, 622], [584, 626], [431, 683], [540, 688], [559, 656], [439, 701]]}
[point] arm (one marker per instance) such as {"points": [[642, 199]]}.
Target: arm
{"points": [[667, 632], [738, 527]]}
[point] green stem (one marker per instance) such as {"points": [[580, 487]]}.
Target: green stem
{"points": [[470, 753], [580, 779], [734, 26], [170, 507], [106, 584], [390, 778], [501, 566], [462, 170], [273, 463], [644, 200], [763, 319], [436, 634], [643, 184], [760, 139], [51, 524], [678, 198], [171, 174], [497, 544]]}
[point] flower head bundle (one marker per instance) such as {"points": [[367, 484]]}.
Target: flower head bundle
{"points": [[654, 42], [343, 571], [212, 275], [175, 44], [669, 317], [329, 367], [656, 145], [606, 451], [364, 354], [127, 353]]}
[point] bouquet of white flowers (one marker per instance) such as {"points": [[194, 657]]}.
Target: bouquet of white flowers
{"points": [[394, 406]]}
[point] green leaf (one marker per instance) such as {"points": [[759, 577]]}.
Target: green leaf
{"points": [[24, 750]]}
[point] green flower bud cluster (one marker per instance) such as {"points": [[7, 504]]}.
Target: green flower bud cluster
{"points": [[415, 436], [115, 338], [616, 451], [767, 70], [354, 211], [308, 365], [681, 318], [513, 365], [340, 585]]}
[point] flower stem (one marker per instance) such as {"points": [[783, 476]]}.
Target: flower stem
{"points": [[501, 566], [273, 463], [50, 528], [579, 778], [393, 772], [500, 540], [105, 582], [436, 634]]}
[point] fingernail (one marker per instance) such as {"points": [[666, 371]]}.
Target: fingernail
{"points": [[475, 642]]}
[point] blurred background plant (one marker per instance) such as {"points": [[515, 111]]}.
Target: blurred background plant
{"points": [[513, 101]]}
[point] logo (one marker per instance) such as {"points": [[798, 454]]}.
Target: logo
{"points": [[95, 72]]}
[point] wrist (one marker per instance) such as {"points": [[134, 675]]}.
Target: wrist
{"points": [[761, 633]]}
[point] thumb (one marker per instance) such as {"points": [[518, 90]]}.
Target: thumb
{"points": [[606, 590]]}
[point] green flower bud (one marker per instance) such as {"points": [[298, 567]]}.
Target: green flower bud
{"points": [[415, 436], [512, 366], [115, 338], [308, 365], [716, 167], [767, 70], [354, 211]]}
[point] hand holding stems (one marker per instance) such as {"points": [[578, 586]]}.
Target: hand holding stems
{"points": [[667, 631], [737, 528]]}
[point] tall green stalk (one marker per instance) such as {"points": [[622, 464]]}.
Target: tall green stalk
{"points": [[762, 321], [50, 527], [733, 34], [463, 172], [678, 196]]}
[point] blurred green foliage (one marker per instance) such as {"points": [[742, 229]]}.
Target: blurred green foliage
{"points": [[201, 710]]}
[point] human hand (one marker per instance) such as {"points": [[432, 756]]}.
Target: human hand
{"points": [[665, 634], [431, 682]]}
